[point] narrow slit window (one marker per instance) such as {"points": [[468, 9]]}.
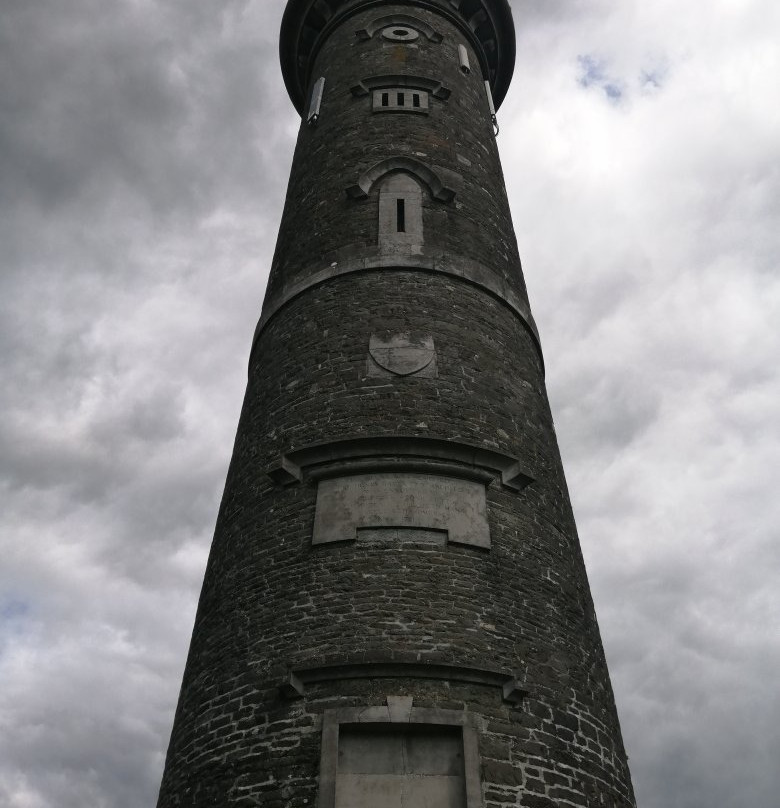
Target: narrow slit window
{"points": [[400, 220], [398, 99]]}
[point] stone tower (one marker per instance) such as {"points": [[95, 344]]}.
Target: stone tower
{"points": [[395, 612]]}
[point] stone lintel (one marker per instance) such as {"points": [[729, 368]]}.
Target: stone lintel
{"points": [[434, 87], [512, 691], [399, 453]]}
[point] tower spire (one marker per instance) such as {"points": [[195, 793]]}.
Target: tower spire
{"points": [[395, 610]]}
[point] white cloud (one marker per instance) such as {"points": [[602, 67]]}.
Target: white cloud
{"points": [[144, 150], [648, 229]]}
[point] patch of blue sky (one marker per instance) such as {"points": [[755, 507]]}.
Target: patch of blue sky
{"points": [[13, 609], [594, 74], [592, 70], [14, 614], [652, 79]]}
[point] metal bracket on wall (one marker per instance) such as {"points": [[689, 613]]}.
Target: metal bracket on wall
{"points": [[316, 102], [492, 107]]}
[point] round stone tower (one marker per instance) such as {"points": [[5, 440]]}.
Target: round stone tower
{"points": [[395, 612]]}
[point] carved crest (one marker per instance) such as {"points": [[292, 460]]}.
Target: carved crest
{"points": [[402, 354]]}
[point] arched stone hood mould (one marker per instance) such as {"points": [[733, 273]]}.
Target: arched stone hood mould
{"points": [[488, 24]]}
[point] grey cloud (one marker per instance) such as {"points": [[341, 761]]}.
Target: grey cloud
{"points": [[144, 150], [63, 754], [103, 100], [607, 409]]}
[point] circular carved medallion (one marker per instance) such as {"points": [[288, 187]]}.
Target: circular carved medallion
{"points": [[400, 33]]}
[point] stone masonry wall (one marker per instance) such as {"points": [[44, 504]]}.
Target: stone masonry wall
{"points": [[322, 225], [273, 603]]}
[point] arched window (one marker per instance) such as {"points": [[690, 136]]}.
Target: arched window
{"points": [[400, 212]]}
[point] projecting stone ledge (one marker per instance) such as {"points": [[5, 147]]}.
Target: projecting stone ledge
{"points": [[399, 453], [294, 687]]}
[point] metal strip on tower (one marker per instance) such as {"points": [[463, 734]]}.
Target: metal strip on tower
{"points": [[396, 612]]}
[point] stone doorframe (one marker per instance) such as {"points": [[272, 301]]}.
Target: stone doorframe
{"points": [[398, 711]]}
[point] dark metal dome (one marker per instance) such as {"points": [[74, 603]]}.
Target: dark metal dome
{"points": [[487, 23]]}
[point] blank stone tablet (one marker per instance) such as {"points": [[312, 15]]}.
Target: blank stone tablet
{"points": [[347, 505]]}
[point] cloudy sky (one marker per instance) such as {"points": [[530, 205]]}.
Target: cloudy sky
{"points": [[144, 152]]}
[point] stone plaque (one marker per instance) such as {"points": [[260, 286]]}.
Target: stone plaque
{"points": [[402, 535], [346, 505], [402, 355]]}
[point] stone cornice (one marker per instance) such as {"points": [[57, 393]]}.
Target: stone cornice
{"points": [[464, 269], [513, 690], [399, 453]]}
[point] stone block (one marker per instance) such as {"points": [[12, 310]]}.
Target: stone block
{"points": [[347, 504]]}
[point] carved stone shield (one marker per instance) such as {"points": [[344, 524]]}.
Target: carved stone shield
{"points": [[402, 354]]}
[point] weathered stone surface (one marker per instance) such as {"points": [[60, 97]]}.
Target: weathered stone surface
{"points": [[402, 355], [385, 769], [321, 221], [272, 601], [347, 504], [502, 773]]}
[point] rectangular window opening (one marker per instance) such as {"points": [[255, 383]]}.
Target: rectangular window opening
{"points": [[416, 100], [400, 210], [400, 99], [385, 99]]}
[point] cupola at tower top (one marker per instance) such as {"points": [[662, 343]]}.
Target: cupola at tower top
{"points": [[486, 23]]}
